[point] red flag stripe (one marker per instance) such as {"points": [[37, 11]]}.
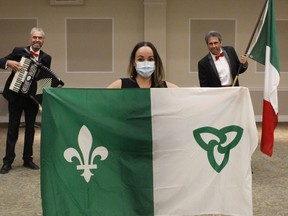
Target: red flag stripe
{"points": [[269, 123]]}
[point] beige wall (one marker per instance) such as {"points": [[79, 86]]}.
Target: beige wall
{"points": [[166, 23]]}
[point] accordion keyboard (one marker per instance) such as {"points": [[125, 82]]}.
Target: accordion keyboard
{"points": [[21, 75]]}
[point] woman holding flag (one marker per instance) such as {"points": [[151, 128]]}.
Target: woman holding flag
{"points": [[145, 69]]}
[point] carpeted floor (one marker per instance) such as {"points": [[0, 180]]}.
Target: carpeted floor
{"points": [[270, 178], [20, 188]]}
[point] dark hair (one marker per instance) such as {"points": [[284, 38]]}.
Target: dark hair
{"points": [[158, 76], [212, 34]]}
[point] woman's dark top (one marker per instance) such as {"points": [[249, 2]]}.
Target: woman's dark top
{"points": [[129, 83]]}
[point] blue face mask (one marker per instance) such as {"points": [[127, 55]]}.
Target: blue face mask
{"points": [[146, 68]]}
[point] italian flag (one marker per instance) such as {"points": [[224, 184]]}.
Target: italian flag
{"points": [[132, 152], [265, 51]]}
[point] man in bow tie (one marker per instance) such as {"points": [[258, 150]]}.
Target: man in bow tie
{"points": [[221, 65], [18, 103]]}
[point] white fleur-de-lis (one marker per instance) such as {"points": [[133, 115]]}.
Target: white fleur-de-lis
{"points": [[85, 141]]}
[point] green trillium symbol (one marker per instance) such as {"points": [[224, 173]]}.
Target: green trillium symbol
{"points": [[222, 141]]}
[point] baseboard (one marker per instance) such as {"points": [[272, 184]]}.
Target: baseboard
{"points": [[258, 118], [281, 118], [4, 119]]}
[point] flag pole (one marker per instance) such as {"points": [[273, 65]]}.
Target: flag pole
{"points": [[250, 41]]}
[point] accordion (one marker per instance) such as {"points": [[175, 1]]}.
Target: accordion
{"points": [[32, 78]]}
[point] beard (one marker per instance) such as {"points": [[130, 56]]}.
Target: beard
{"points": [[36, 46]]}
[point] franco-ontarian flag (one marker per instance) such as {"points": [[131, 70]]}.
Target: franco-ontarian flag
{"points": [[265, 51], [132, 152]]}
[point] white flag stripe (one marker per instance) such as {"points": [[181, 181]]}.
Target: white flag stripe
{"points": [[271, 81], [187, 184]]}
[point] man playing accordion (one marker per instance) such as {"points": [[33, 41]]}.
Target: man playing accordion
{"points": [[19, 102]]}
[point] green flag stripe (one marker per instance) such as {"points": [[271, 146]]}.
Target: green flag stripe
{"points": [[267, 37]]}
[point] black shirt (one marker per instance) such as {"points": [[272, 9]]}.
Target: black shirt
{"points": [[129, 83]]}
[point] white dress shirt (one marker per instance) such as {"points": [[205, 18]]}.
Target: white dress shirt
{"points": [[223, 69]]}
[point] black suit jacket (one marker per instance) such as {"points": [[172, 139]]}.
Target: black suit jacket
{"points": [[207, 72], [16, 55]]}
